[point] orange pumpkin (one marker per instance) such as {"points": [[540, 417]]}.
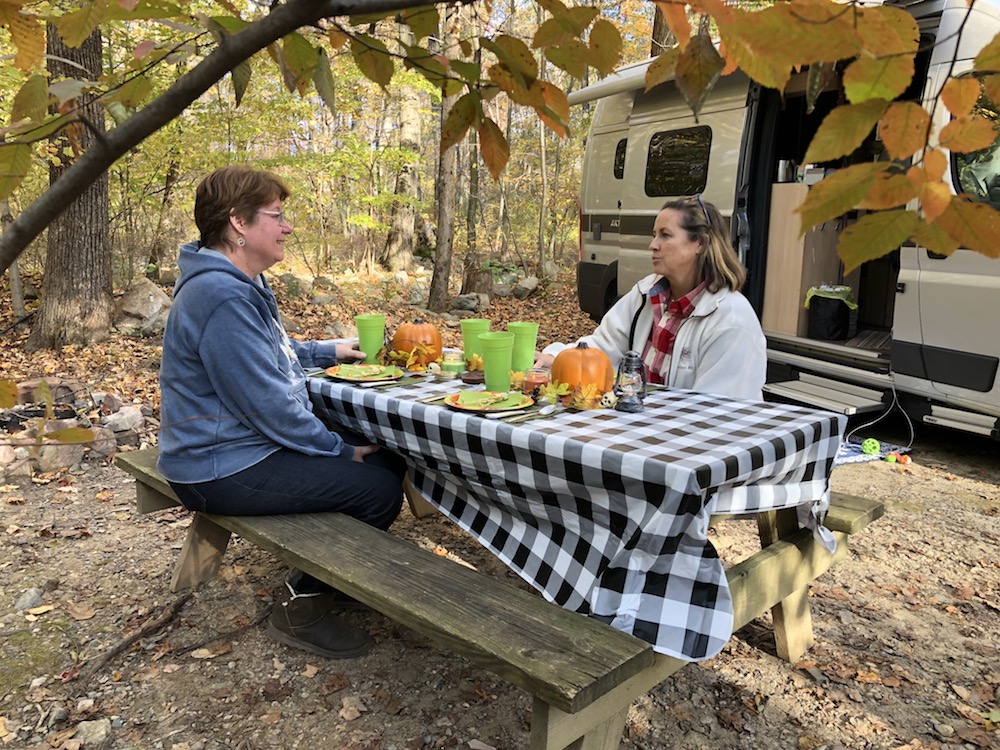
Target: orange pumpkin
{"points": [[409, 335], [583, 366]]}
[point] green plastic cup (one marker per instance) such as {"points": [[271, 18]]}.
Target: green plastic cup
{"points": [[471, 328], [525, 338], [497, 349], [371, 335]]}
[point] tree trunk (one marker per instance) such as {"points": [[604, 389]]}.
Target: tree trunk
{"points": [[77, 303], [399, 245], [662, 38], [473, 280], [16, 290], [164, 238], [438, 297]]}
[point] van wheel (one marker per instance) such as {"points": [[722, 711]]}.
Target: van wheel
{"points": [[610, 296]]}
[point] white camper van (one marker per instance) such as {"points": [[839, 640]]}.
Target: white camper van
{"points": [[925, 329]]}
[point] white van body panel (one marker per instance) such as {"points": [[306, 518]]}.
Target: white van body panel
{"points": [[937, 350]]}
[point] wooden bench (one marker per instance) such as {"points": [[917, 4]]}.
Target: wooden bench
{"points": [[583, 675]]}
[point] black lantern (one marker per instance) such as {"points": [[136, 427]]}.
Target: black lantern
{"points": [[630, 383]]}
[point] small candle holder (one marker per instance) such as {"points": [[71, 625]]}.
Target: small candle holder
{"points": [[453, 362], [533, 381], [630, 383]]}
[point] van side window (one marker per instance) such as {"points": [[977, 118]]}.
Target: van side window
{"points": [[978, 173], [620, 159], [677, 163]]}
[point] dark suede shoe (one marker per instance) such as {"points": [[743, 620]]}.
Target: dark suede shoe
{"points": [[306, 622], [302, 584]]}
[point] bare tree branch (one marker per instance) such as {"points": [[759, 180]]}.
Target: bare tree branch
{"points": [[233, 50]]}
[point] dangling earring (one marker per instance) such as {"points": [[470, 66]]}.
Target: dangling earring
{"points": [[240, 241]]}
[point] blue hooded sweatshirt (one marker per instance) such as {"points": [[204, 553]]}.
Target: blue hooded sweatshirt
{"points": [[232, 387]]}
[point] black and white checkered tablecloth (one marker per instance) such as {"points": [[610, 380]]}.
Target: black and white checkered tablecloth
{"points": [[606, 513]]}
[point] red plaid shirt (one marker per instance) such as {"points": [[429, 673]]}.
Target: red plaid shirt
{"points": [[667, 318]]}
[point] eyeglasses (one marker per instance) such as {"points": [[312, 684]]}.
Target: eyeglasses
{"points": [[281, 216], [703, 209]]}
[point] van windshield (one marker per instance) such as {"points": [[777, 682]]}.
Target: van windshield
{"points": [[978, 173]]}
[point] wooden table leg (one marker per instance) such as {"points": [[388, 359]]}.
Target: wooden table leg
{"points": [[201, 555], [793, 632]]}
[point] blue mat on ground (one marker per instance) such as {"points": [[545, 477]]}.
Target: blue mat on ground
{"points": [[850, 452]]}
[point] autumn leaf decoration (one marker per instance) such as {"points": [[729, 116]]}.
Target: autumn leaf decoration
{"points": [[585, 397], [412, 360], [553, 392], [475, 363]]}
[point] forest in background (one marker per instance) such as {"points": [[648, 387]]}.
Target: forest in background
{"points": [[343, 162]]}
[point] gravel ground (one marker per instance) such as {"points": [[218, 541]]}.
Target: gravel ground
{"points": [[906, 655]]}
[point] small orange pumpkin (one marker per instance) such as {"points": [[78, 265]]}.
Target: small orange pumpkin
{"points": [[408, 335], [583, 366]]}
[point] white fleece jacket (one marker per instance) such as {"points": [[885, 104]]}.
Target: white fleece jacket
{"points": [[719, 349]]}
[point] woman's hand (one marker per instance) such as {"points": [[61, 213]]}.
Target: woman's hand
{"points": [[349, 353], [543, 361], [360, 451]]}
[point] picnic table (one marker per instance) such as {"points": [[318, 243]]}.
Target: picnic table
{"points": [[607, 513]]}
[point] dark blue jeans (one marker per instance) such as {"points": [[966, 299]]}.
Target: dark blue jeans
{"points": [[291, 482]]}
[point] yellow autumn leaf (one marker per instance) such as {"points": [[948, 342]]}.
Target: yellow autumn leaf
{"points": [[605, 48], [516, 380], [8, 394], [555, 113], [809, 32], [934, 238], [844, 129], [751, 51], [586, 397], [475, 363], [571, 57], [991, 87], [960, 95], [935, 163], [873, 236], [887, 30], [904, 129], [28, 35], [934, 198], [975, 225], [493, 147], [662, 68], [965, 134], [515, 55], [889, 190], [837, 194], [337, 38]]}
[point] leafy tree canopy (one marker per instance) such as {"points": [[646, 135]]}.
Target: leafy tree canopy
{"points": [[875, 47]]}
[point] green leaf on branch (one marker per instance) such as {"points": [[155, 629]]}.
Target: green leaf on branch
{"points": [[15, 161], [989, 56], [299, 60], [31, 102], [877, 78], [241, 75], [844, 129], [8, 394], [873, 236], [837, 194], [72, 435], [464, 113], [131, 93], [605, 47], [373, 59], [551, 34], [975, 225], [423, 21], [324, 82], [514, 55], [698, 69], [77, 25], [571, 57], [494, 147], [904, 129]]}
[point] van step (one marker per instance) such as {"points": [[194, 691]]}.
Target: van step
{"points": [[828, 394], [958, 419]]}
